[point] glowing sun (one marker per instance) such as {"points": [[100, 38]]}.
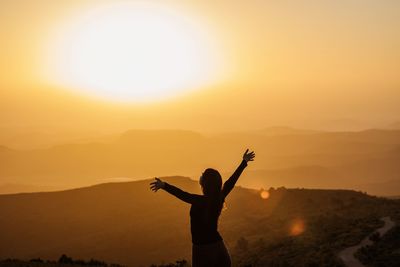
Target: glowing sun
{"points": [[132, 52]]}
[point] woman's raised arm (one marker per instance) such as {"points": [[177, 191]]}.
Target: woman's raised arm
{"points": [[230, 183], [175, 191]]}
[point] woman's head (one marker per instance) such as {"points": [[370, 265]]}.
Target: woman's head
{"points": [[211, 182]]}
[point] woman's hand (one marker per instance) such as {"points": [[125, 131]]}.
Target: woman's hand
{"points": [[248, 156], [157, 185]]}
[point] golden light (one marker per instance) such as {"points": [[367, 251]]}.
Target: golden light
{"points": [[264, 194], [297, 227], [133, 52]]}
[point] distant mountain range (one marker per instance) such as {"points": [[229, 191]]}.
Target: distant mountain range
{"points": [[285, 157], [394, 126], [25, 188], [284, 130]]}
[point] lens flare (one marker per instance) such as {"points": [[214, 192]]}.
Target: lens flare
{"points": [[297, 227], [264, 194]]}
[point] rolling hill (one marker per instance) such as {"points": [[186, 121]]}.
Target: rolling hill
{"points": [[126, 223]]}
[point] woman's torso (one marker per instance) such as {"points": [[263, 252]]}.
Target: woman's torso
{"points": [[204, 224]]}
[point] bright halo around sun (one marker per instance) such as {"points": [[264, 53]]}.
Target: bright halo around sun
{"points": [[133, 52]]}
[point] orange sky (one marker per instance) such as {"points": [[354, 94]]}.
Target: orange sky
{"points": [[312, 64]]}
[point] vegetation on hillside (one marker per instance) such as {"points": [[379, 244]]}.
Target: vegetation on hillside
{"points": [[275, 227], [385, 252]]}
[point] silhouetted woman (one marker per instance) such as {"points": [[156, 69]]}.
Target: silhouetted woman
{"points": [[208, 248]]}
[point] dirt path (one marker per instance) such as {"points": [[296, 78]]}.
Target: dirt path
{"points": [[347, 255]]}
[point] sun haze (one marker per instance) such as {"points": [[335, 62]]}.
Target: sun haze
{"points": [[132, 52], [195, 64]]}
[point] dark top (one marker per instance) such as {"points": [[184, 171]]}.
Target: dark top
{"points": [[204, 228]]}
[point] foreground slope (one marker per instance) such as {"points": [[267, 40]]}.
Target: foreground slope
{"points": [[126, 223]]}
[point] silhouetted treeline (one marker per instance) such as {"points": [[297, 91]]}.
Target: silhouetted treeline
{"points": [[62, 261], [179, 263]]}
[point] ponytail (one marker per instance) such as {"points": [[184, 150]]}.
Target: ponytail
{"points": [[212, 184]]}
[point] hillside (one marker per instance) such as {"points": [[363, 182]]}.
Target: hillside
{"points": [[128, 224]]}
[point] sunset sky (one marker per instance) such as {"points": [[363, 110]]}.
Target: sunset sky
{"points": [[118, 116], [200, 65]]}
